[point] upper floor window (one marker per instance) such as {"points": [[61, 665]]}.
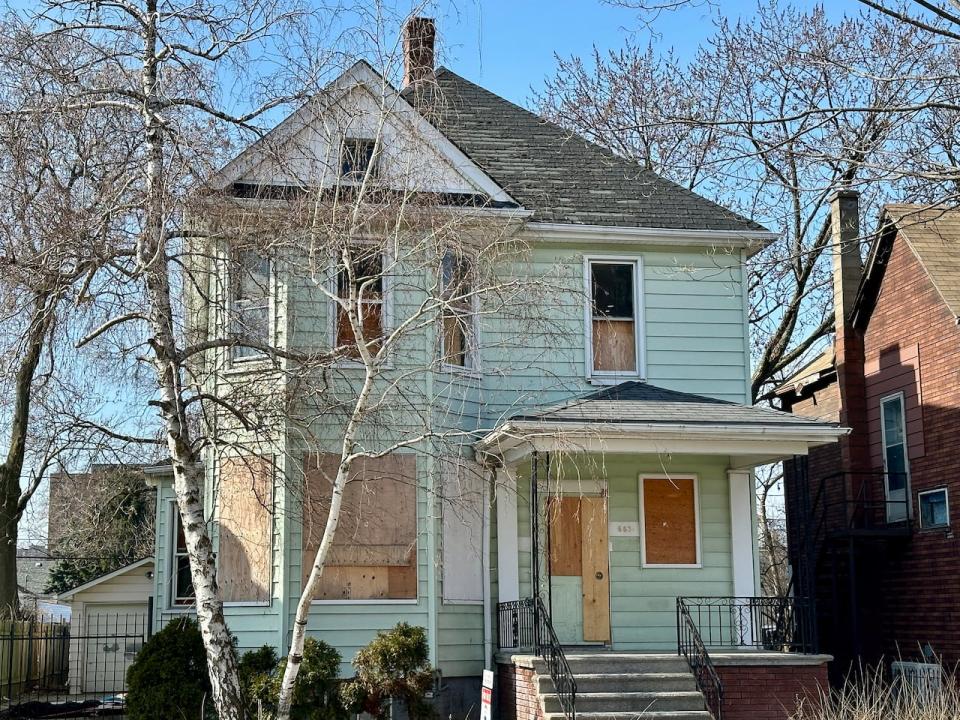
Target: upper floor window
{"points": [[614, 336], [250, 302], [893, 429], [181, 591], [458, 336], [360, 283], [356, 158]]}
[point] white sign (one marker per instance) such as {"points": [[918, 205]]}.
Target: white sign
{"points": [[486, 695], [624, 529]]}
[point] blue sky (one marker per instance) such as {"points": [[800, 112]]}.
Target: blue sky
{"points": [[508, 46]]}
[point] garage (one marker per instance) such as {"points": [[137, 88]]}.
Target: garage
{"points": [[109, 622]]}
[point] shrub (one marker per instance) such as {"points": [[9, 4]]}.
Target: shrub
{"points": [[168, 678], [867, 696], [256, 670], [394, 665]]}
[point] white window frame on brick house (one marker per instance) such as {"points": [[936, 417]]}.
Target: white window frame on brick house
{"points": [[906, 502], [946, 502], [612, 377]]}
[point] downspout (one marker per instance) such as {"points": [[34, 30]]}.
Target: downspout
{"points": [[432, 639], [487, 602]]}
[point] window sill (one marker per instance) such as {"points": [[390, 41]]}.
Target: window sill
{"points": [[614, 379], [698, 566], [385, 601], [469, 603], [470, 373], [246, 603]]}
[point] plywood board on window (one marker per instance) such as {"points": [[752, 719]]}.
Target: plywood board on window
{"points": [[244, 514], [377, 528], [614, 345], [563, 517], [669, 521]]}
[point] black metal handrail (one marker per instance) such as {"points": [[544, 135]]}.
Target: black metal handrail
{"points": [[777, 624], [690, 645], [526, 624]]}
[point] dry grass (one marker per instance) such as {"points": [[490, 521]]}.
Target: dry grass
{"points": [[869, 696]]}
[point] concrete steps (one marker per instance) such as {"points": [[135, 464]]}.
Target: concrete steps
{"points": [[617, 686]]}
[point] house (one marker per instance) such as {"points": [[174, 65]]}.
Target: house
{"points": [[870, 517], [589, 516], [109, 621]]}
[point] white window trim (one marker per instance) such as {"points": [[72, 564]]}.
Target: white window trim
{"points": [[473, 353], [946, 497], [386, 318], [906, 452], [696, 520], [384, 601], [607, 377], [257, 358], [174, 515]]}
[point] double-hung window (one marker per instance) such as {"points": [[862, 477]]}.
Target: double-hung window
{"points": [[181, 591], [893, 428], [360, 285], [614, 317], [458, 335], [250, 302]]}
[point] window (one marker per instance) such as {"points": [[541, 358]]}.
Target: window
{"points": [[244, 512], [458, 341], [614, 301], [894, 434], [250, 302], [374, 552], [365, 288], [181, 592], [934, 508], [669, 515], [356, 157]]}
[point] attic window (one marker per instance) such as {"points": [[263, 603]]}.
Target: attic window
{"points": [[356, 158]]}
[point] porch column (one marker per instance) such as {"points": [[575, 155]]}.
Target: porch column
{"points": [[741, 537], [508, 555]]}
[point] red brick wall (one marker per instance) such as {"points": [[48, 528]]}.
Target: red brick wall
{"points": [[912, 344], [752, 692], [517, 693]]}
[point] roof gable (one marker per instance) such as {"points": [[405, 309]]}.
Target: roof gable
{"points": [[558, 175], [303, 150], [933, 236], [108, 576]]}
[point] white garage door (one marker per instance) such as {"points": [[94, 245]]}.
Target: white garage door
{"points": [[112, 636]]}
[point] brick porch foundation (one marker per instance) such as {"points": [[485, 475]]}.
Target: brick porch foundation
{"points": [[768, 686], [517, 693]]}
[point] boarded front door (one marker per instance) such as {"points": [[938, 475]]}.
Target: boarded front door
{"points": [[579, 586]]}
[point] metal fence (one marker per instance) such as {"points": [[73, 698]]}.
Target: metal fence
{"points": [[68, 669]]}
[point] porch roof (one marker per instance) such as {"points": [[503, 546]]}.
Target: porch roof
{"points": [[638, 417]]}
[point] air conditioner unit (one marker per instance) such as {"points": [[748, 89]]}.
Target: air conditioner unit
{"points": [[921, 680]]}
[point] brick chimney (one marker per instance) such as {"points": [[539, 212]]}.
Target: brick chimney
{"points": [[848, 341], [419, 36]]}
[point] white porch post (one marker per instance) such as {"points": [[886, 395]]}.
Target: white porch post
{"points": [[741, 536], [508, 557]]}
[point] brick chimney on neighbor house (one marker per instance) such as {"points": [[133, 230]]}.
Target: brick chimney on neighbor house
{"points": [[848, 342], [419, 37]]}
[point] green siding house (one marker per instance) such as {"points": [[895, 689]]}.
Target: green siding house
{"points": [[551, 469]]}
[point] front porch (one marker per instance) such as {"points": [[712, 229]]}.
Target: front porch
{"points": [[626, 526]]}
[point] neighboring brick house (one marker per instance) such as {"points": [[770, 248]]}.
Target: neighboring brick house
{"points": [[869, 517]]}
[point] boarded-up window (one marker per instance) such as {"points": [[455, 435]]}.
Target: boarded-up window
{"points": [[245, 521], [463, 509], [613, 312], [374, 552], [362, 283], [668, 509]]}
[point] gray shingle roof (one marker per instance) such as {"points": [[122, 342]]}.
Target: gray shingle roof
{"points": [[558, 175], [638, 402]]}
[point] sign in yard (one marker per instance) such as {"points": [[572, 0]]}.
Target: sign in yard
{"points": [[486, 695]]}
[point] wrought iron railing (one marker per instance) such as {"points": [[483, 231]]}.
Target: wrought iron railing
{"points": [[776, 624], [525, 624], [690, 645]]}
